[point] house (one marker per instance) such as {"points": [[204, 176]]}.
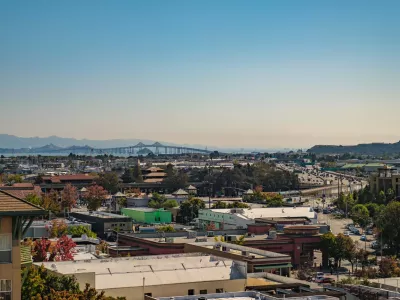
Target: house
{"points": [[21, 190], [16, 216]]}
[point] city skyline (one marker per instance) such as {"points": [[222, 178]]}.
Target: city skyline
{"points": [[227, 74]]}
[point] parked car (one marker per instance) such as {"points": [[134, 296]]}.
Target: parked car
{"points": [[369, 231], [324, 280], [347, 233], [363, 238], [375, 245]]}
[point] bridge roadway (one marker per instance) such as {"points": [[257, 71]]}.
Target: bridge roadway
{"points": [[156, 148]]}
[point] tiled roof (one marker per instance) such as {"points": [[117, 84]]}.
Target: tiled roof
{"points": [[60, 178], [157, 174], [180, 192], [22, 192], [11, 204], [154, 169], [153, 180]]}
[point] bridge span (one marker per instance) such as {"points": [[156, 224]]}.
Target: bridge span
{"points": [[138, 149]]}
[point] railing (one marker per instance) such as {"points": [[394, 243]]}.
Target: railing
{"points": [[26, 256]]}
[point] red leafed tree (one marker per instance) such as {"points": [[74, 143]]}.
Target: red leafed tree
{"points": [[68, 196], [40, 249], [94, 196], [64, 249]]}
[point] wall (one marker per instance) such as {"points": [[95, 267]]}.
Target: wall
{"points": [[12, 271], [137, 215], [181, 289]]}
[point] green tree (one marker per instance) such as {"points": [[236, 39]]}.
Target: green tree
{"points": [[15, 178], [381, 198], [78, 231], [388, 223], [157, 201], [34, 199], [238, 204], [166, 228], [219, 204], [171, 203], [128, 176], [360, 215], [189, 209], [109, 181], [390, 195], [137, 173]]}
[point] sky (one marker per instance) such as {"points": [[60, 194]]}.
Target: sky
{"points": [[228, 73]]}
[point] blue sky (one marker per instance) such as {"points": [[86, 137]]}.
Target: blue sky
{"points": [[225, 73]]}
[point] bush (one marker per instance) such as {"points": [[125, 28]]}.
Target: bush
{"points": [[78, 231]]}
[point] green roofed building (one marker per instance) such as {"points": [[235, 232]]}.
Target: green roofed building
{"points": [[148, 215]]}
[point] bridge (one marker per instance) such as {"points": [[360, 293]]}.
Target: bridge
{"points": [[138, 149]]}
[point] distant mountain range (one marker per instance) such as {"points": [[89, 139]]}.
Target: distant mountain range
{"points": [[43, 144], [366, 149]]}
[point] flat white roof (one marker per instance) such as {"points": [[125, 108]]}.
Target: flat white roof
{"points": [[154, 270], [270, 212]]}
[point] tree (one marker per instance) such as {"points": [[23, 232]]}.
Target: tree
{"points": [[388, 267], [388, 223], [360, 215], [373, 209], [50, 204], [78, 231], [34, 199], [109, 181], [390, 195], [40, 250], [350, 251], [57, 228], [128, 176], [189, 209], [137, 173], [171, 203], [219, 204], [14, 179], [381, 198], [94, 196], [238, 204], [166, 228], [69, 195], [64, 249]]}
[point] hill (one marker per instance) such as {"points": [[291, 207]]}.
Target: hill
{"points": [[366, 149]]}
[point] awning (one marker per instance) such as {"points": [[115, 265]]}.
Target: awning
{"points": [[269, 267]]}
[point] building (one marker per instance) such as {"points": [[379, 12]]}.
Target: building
{"points": [[239, 218], [21, 190], [103, 223], [16, 215], [156, 276], [293, 291], [59, 182], [298, 242], [153, 175], [386, 178], [148, 215]]}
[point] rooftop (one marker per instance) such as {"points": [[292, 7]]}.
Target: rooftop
{"points": [[11, 205], [100, 214], [270, 212], [151, 270]]}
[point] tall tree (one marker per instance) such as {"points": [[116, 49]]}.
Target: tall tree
{"points": [[388, 223], [109, 181], [128, 176], [137, 173], [69, 195], [95, 196]]}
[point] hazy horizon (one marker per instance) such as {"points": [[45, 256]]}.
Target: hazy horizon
{"points": [[238, 74]]}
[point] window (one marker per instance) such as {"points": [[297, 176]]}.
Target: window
{"points": [[202, 292], [219, 290], [190, 292], [5, 289], [5, 248]]}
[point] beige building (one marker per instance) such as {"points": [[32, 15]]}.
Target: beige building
{"points": [[157, 276], [386, 178], [16, 215]]}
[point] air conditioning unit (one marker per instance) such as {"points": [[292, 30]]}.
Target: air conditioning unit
{"points": [[210, 233]]}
